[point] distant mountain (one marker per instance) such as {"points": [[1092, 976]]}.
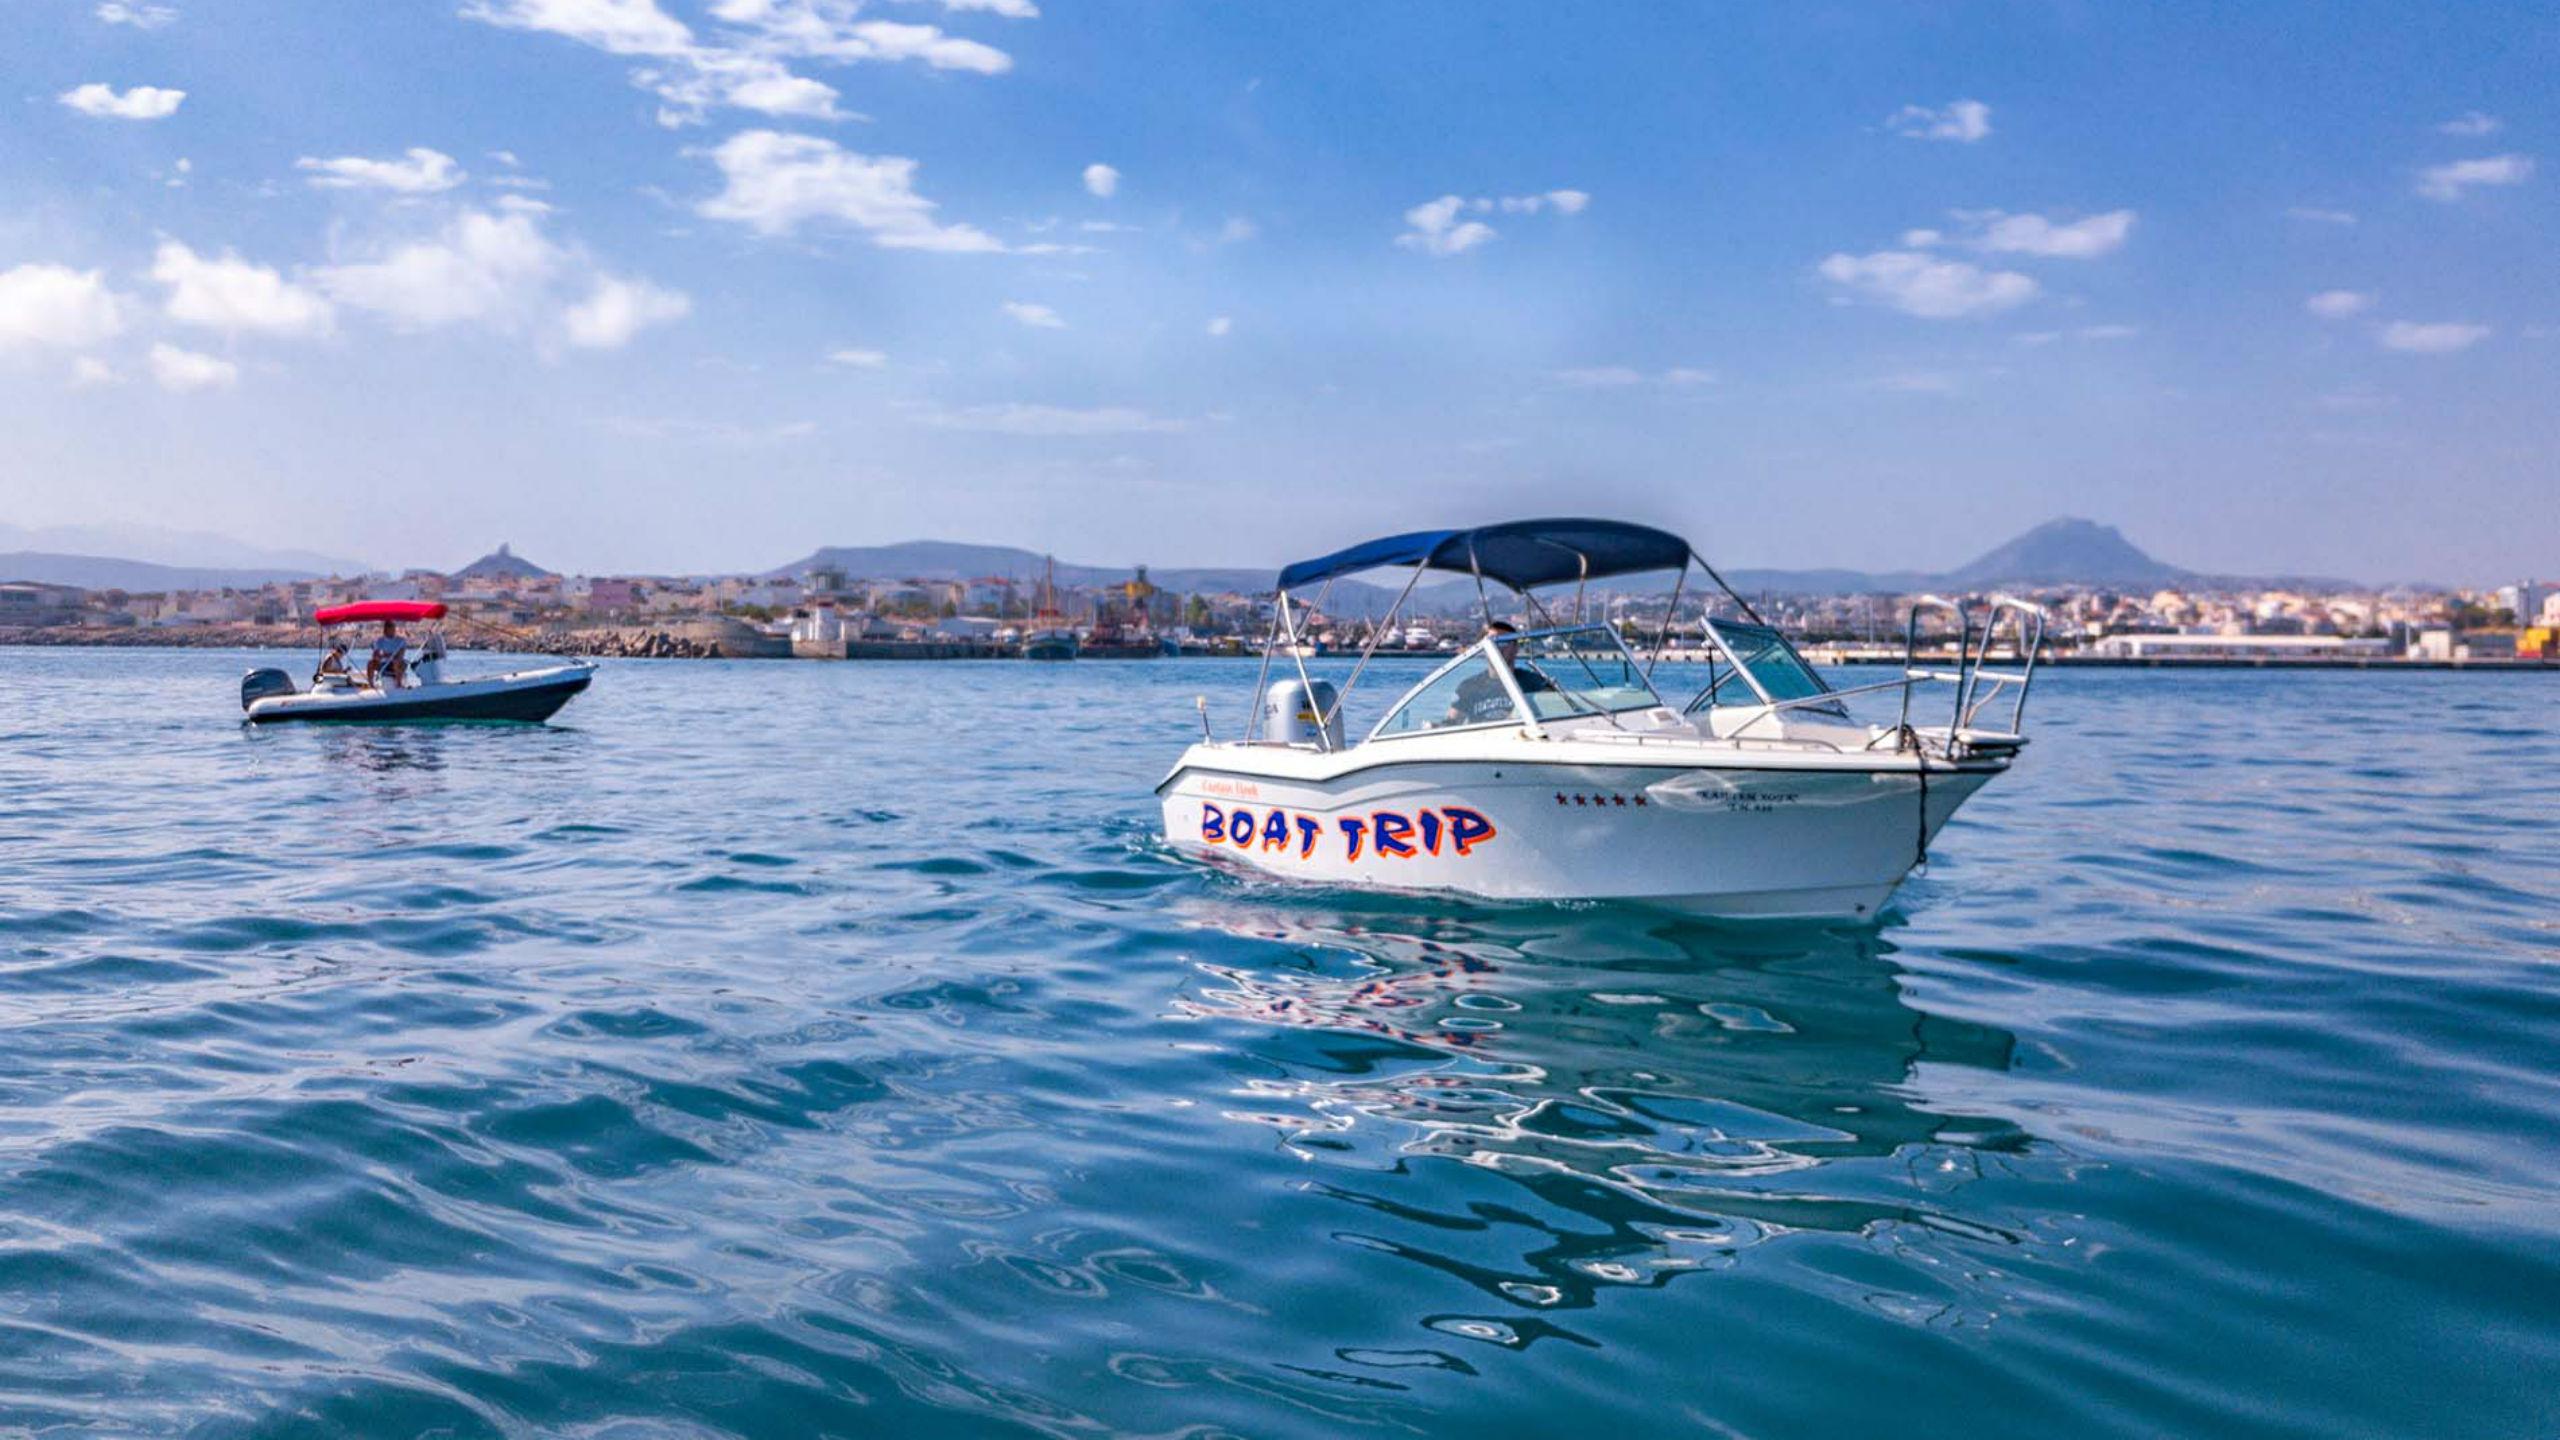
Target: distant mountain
{"points": [[502, 563], [185, 549], [953, 560], [100, 572], [2058, 552], [2067, 551]]}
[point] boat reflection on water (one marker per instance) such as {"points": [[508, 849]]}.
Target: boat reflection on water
{"points": [[1693, 1091]]}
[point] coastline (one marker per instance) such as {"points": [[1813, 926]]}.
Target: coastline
{"points": [[649, 643]]}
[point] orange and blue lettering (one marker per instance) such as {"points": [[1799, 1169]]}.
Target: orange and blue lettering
{"points": [[1394, 834], [1308, 829], [1352, 829], [1275, 830], [1430, 820], [1468, 828], [1213, 822], [1240, 827]]}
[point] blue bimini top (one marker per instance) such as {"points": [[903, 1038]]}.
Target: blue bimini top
{"points": [[1522, 554]]}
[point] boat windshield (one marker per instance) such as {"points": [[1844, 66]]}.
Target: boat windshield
{"points": [[1465, 692], [1765, 670], [1582, 671]]}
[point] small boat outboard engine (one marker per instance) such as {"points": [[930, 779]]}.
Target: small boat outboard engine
{"points": [[1292, 709], [262, 683]]}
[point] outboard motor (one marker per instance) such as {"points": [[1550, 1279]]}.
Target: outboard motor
{"points": [[261, 684], [1292, 709]]}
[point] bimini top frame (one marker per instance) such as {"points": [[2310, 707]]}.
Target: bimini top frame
{"points": [[1520, 555]]}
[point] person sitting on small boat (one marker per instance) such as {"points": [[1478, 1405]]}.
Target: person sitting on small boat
{"points": [[333, 663], [389, 661], [1480, 696]]}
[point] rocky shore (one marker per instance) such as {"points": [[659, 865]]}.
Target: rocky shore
{"points": [[615, 642]]}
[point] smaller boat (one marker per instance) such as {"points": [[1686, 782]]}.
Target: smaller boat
{"points": [[420, 692]]}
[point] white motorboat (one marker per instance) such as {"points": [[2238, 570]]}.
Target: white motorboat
{"points": [[1544, 765], [420, 692]]}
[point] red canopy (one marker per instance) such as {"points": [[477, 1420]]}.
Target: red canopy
{"points": [[363, 610]]}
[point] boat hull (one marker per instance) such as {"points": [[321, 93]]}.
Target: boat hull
{"points": [[1725, 841], [528, 698]]}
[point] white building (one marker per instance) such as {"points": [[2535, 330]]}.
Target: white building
{"points": [[2241, 647]]}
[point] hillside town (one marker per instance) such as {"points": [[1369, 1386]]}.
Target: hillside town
{"points": [[505, 600]]}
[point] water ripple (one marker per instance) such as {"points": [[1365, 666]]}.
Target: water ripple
{"points": [[822, 1066]]}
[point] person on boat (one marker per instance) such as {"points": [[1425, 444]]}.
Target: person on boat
{"points": [[1480, 696], [389, 661], [333, 663]]}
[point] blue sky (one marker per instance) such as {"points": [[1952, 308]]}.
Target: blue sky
{"points": [[700, 284]]}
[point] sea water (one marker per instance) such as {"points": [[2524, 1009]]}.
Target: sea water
{"points": [[797, 1049]]}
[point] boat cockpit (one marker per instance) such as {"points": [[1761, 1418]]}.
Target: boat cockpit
{"points": [[1582, 678], [1539, 679]]}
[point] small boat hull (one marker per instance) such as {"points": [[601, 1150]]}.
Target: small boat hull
{"points": [[527, 697], [1723, 841]]}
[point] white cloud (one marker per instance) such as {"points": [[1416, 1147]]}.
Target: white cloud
{"points": [[685, 430], [1237, 230], [481, 268], [890, 40], [745, 66], [56, 305], [420, 172], [140, 17], [776, 182], [2439, 338], [2339, 304], [142, 102], [182, 371], [1101, 180], [1054, 420], [2448, 182], [2319, 216], [1600, 377], [88, 372], [619, 27], [1999, 232], [1927, 285], [1963, 121], [2472, 124], [1620, 377], [232, 295], [1038, 317], [853, 359], [779, 92], [1918, 382], [1221, 325], [2109, 332], [1434, 227], [618, 309], [1009, 9]]}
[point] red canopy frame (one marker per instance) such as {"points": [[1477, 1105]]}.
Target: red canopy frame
{"points": [[364, 610]]}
